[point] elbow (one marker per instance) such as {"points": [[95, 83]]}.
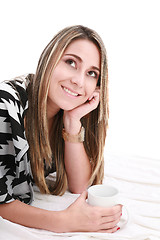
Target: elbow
{"points": [[78, 189], [75, 191]]}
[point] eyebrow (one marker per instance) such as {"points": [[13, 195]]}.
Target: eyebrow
{"points": [[80, 59]]}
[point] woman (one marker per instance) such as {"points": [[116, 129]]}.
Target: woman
{"points": [[56, 120]]}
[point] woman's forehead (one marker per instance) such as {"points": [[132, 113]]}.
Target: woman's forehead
{"points": [[84, 49]]}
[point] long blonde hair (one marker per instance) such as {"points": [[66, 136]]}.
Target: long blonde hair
{"points": [[95, 123]]}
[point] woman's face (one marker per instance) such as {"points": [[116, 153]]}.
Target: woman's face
{"points": [[75, 77]]}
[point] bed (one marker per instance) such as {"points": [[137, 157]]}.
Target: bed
{"points": [[138, 180]]}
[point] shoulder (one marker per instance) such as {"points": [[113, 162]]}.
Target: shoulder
{"points": [[10, 86], [14, 92]]}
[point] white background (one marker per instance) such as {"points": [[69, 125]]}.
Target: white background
{"points": [[131, 32]]}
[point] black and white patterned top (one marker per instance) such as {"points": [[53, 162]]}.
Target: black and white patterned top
{"points": [[16, 180]]}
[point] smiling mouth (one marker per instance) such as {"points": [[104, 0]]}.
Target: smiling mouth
{"points": [[70, 92]]}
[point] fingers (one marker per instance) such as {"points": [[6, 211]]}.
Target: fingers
{"points": [[94, 98], [111, 230], [111, 211], [110, 221], [112, 224], [92, 103], [111, 218]]}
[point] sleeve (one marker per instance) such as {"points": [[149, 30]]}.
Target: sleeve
{"points": [[15, 180]]}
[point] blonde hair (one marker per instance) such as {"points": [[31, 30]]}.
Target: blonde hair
{"points": [[95, 122]]}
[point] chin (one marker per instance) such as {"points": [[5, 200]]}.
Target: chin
{"points": [[68, 108]]}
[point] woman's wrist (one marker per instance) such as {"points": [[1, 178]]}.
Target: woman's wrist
{"points": [[78, 138], [56, 221], [71, 126]]}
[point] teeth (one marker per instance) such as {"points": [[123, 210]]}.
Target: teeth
{"points": [[68, 91]]}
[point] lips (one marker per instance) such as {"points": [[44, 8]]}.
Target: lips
{"points": [[74, 94]]}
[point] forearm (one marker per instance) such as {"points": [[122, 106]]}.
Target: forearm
{"points": [[77, 166], [32, 217], [78, 217]]}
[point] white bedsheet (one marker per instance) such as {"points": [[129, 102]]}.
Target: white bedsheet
{"points": [[138, 180]]}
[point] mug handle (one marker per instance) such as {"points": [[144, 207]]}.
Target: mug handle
{"points": [[124, 218]]}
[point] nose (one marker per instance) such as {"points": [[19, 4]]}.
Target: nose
{"points": [[78, 79]]}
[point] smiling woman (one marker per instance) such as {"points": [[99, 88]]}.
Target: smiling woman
{"points": [[74, 79], [55, 121]]}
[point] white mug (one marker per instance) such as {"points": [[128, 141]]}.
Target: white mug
{"points": [[107, 196]]}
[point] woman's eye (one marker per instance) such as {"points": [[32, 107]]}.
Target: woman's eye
{"points": [[93, 74], [71, 62]]}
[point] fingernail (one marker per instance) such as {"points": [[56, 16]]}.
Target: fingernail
{"points": [[118, 228]]}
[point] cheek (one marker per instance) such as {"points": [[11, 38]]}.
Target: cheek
{"points": [[58, 72], [55, 75], [91, 87]]}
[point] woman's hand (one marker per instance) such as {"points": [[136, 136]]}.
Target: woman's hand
{"points": [[72, 118], [86, 107], [82, 217]]}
